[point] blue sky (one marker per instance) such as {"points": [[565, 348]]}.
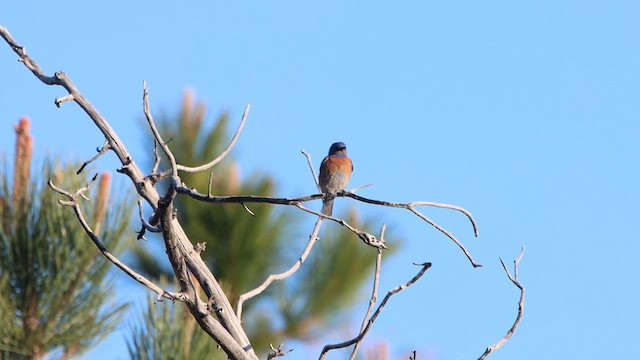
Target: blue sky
{"points": [[524, 113]]}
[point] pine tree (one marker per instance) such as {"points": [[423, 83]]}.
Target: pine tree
{"points": [[56, 297], [243, 249]]}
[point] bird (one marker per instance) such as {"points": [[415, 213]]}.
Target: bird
{"points": [[335, 173]]}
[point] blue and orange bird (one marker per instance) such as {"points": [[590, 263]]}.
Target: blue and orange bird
{"points": [[335, 173]]}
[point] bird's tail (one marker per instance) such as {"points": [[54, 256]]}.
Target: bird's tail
{"points": [[327, 206]]}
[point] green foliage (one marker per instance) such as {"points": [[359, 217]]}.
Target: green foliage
{"points": [[55, 291], [242, 250], [180, 336]]}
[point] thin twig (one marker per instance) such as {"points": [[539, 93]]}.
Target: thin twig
{"points": [[514, 327], [412, 207], [362, 334], [367, 238], [248, 210], [414, 204], [281, 276], [226, 151], [313, 172], [154, 129], [145, 224], [210, 183], [374, 293], [101, 151], [356, 189], [156, 156], [275, 352], [447, 233]]}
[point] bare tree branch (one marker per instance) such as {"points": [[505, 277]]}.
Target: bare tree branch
{"points": [[313, 172], [101, 151], [313, 238], [182, 258], [373, 318], [226, 151], [367, 238], [415, 204], [412, 207], [223, 324], [228, 333], [154, 130], [73, 203], [146, 225], [374, 293], [514, 327], [156, 156], [275, 352], [364, 236]]}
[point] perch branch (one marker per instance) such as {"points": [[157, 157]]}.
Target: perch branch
{"points": [[373, 318], [193, 193], [514, 327]]}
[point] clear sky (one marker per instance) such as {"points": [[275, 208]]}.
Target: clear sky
{"points": [[525, 113]]}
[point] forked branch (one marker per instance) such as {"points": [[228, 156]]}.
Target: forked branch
{"points": [[193, 193], [514, 327], [228, 331], [373, 318], [185, 257], [73, 203]]}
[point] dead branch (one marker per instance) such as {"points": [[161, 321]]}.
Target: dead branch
{"points": [[73, 203], [146, 225], [281, 276], [412, 207], [414, 204], [224, 153], [101, 151], [185, 257], [367, 238], [374, 293], [228, 332], [154, 129], [373, 318], [193, 193], [514, 327], [275, 352], [313, 172]]}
